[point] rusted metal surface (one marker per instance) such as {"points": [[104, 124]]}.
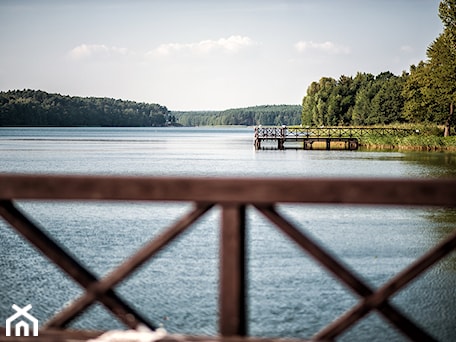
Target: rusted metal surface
{"points": [[233, 196]]}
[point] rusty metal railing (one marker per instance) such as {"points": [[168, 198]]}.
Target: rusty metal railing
{"points": [[233, 196]]}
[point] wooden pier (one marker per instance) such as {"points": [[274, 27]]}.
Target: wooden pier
{"points": [[233, 196], [326, 138]]}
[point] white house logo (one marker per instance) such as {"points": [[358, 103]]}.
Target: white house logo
{"points": [[20, 324]]}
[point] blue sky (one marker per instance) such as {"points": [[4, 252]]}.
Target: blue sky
{"points": [[206, 55]]}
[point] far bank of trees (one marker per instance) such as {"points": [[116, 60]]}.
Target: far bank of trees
{"points": [[425, 94], [38, 108], [250, 116]]}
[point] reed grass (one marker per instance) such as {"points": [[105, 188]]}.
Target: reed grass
{"points": [[427, 139]]}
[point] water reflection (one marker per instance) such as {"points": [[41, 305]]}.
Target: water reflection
{"points": [[442, 224], [438, 164]]}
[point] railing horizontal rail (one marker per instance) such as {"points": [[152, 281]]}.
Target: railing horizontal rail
{"points": [[416, 192]]}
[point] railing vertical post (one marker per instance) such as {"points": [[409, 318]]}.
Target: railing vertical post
{"points": [[233, 309]]}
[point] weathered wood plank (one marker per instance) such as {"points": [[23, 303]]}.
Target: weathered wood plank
{"points": [[435, 192], [232, 296]]}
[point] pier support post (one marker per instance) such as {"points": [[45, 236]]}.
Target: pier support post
{"points": [[257, 143], [257, 138], [308, 144], [280, 144], [353, 144]]}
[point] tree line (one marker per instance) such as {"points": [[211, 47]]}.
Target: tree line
{"points": [[250, 116], [38, 108], [425, 94]]}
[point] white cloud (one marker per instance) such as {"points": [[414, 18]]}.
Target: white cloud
{"points": [[231, 44], [85, 51], [327, 47], [406, 48]]}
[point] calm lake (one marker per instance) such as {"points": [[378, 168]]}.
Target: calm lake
{"points": [[289, 295]]}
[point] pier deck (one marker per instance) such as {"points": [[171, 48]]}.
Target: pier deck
{"points": [[327, 138]]}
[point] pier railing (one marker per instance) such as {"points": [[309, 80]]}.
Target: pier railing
{"points": [[329, 132], [349, 132], [233, 196], [308, 135]]}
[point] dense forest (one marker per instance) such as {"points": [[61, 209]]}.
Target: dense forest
{"points": [[426, 94], [38, 108], [250, 116], [372, 100], [361, 100]]}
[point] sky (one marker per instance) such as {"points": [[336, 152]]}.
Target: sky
{"points": [[206, 54]]}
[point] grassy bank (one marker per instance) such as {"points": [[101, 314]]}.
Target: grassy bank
{"points": [[428, 139]]}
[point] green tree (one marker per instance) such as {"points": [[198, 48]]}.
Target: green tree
{"points": [[346, 96], [442, 63], [388, 102], [320, 114], [419, 106], [365, 92], [442, 76], [363, 109], [309, 104]]}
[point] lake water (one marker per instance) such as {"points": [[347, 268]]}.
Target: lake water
{"points": [[289, 295]]}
